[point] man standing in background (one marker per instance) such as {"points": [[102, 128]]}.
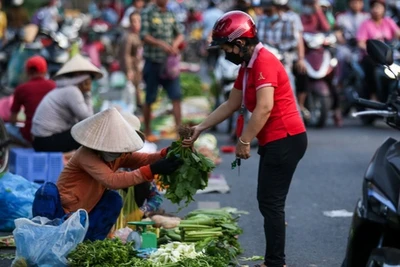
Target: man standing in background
{"points": [[162, 38]]}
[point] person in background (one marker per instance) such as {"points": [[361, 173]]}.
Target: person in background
{"points": [[162, 38], [108, 13], [378, 27], [90, 178], [314, 21], [63, 107], [137, 6], [245, 6], [277, 31], [347, 25], [48, 16], [298, 57], [28, 96], [328, 11], [131, 55], [17, 16], [210, 16], [263, 88]]}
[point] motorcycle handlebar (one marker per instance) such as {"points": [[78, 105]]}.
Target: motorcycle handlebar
{"points": [[371, 104]]}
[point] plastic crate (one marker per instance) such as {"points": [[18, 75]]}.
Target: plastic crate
{"points": [[36, 166], [55, 166], [29, 164]]}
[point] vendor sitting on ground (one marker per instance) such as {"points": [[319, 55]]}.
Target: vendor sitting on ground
{"points": [[63, 107], [89, 179], [28, 96]]}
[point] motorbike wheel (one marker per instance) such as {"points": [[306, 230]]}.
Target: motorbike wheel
{"points": [[318, 106], [4, 151]]}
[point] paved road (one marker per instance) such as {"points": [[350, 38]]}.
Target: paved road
{"points": [[328, 178]]}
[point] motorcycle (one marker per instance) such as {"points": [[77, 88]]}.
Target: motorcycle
{"points": [[55, 47], [225, 74], [352, 81], [385, 82], [320, 63], [375, 229]]}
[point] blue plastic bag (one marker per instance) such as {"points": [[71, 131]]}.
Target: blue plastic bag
{"points": [[45, 243], [16, 198]]}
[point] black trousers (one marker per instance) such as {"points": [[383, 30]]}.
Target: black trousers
{"points": [[278, 162], [61, 142]]}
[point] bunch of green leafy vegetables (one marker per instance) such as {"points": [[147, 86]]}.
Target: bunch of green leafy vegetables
{"points": [[105, 253], [191, 85], [191, 176]]}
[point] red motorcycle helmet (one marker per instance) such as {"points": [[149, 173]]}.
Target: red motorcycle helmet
{"points": [[231, 26]]}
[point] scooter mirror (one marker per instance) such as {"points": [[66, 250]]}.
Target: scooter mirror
{"points": [[392, 71], [380, 52]]}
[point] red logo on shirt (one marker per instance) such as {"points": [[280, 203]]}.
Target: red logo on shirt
{"points": [[261, 77]]}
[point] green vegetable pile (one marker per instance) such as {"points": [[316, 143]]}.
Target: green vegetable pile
{"points": [[201, 261], [214, 231], [191, 176], [191, 85], [106, 253], [205, 238]]}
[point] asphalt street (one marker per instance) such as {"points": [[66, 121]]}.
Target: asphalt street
{"points": [[328, 178]]}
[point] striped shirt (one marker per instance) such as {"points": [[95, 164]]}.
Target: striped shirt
{"points": [[280, 34], [160, 25]]}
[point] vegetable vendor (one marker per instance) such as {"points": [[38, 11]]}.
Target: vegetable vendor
{"points": [[262, 87], [69, 103], [89, 179]]}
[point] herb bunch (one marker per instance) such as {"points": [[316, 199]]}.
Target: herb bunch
{"points": [[191, 176]]}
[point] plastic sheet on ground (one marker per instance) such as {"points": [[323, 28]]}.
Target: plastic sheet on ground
{"points": [[216, 184]]}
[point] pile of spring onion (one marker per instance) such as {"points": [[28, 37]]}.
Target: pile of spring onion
{"points": [[213, 231], [203, 223]]}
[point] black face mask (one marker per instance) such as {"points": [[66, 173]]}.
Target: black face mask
{"points": [[234, 58]]}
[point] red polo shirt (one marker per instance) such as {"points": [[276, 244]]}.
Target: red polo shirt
{"points": [[265, 70], [29, 95]]}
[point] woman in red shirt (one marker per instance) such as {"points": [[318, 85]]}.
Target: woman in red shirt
{"points": [[263, 88]]}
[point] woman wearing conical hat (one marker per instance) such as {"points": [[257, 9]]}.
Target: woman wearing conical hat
{"points": [[69, 103], [108, 143]]}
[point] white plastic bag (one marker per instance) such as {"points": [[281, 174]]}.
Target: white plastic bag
{"points": [[46, 243]]}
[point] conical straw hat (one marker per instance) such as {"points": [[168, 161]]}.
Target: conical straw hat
{"points": [[107, 131], [134, 122], [79, 64]]}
